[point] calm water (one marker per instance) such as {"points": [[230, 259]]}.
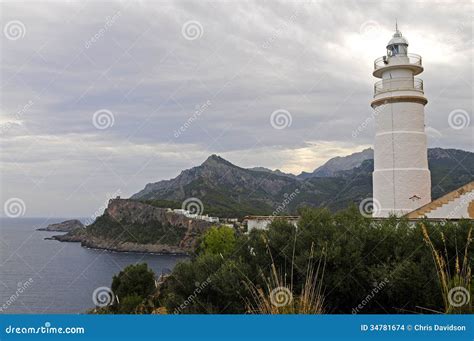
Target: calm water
{"points": [[64, 275]]}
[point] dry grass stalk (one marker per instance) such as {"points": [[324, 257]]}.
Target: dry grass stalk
{"points": [[455, 288], [279, 296]]}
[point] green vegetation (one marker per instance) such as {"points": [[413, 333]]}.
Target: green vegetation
{"points": [[130, 287], [332, 263], [370, 266], [163, 203], [153, 232], [219, 241]]}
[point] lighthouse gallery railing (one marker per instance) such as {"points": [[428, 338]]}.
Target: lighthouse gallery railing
{"points": [[408, 83], [385, 61]]}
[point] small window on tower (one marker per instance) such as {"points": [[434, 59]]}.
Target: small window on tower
{"points": [[414, 198]]}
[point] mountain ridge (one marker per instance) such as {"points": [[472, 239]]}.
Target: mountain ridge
{"points": [[229, 190]]}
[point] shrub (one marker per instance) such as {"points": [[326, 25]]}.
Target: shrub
{"points": [[370, 266]]}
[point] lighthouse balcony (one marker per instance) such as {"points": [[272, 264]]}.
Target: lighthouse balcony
{"points": [[398, 84], [409, 61]]}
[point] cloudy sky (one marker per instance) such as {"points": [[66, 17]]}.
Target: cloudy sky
{"points": [[100, 98]]}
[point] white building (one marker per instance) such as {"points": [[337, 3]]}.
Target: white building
{"points": [[191, 215], [458, 204], [401, 178], [262, 222]]}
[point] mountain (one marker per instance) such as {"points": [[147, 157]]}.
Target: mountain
{"points": [[340, 163], [227, 190], [276, 171], [223, 187]]}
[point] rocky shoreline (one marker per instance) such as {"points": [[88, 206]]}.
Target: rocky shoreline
{"points": [[177, 234], [117, 246]]}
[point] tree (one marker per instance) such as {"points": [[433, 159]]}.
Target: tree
{"points": [[132, 285], [218, 240]]}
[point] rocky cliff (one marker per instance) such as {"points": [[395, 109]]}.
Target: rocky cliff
{"points": [[133, 226]]}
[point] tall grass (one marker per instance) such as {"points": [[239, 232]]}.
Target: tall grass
{"points": [[456, 287], [279, 295]]}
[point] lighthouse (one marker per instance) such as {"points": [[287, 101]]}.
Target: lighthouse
{"points": [[401, 178]]}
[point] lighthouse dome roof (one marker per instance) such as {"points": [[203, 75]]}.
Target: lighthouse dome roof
{"points": [[398, 39]]}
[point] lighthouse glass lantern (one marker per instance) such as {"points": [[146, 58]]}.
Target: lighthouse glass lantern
{"points": [[397, 46]]}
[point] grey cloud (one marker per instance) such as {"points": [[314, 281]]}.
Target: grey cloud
{"points": [[253, 58]]}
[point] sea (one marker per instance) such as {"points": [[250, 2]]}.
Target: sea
{"points": [[39, 276]]}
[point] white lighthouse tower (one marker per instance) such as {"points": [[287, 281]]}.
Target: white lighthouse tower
{"points": [[401, 178]]}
